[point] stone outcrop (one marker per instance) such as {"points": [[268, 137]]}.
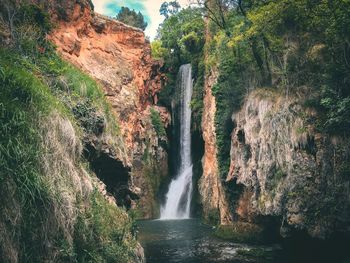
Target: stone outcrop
{"points": [[119, 58], [288, 169], [215, 207]]}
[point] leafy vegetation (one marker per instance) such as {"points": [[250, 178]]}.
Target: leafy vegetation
{"points": [[180, 41], [158, 52], [132, 18], [169, 8], [295, 44], [182, 35], [287, 45]]}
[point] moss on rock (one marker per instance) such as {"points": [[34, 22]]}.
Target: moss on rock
{"points": [[240, 232]]}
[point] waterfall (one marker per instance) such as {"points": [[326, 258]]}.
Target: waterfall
{"points": [[178, 198]]}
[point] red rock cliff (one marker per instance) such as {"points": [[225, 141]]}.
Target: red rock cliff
{"points": [[119, 58]]}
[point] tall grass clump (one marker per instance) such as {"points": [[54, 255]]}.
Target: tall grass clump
{"points": [[101, 238], [23, 101]]}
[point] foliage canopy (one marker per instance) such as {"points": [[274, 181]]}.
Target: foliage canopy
{"points": [[132, 18]]}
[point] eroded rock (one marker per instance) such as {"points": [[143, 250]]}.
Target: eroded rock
{"points": [[292, 171], [119, 58]]}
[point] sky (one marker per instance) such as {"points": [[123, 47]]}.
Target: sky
{"points": [[149, 8]]}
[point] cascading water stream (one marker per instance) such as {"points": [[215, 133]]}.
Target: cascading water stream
{"points": [[178, 198]]}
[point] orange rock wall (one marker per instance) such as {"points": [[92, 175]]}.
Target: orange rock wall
{"points": [[210, 187], [119, 58]]}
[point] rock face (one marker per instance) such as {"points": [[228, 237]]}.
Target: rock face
{"points": [[119, 58], [215, 207], [288, 170]]}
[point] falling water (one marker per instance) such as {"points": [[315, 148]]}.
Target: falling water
{"points": [[178, 198]]}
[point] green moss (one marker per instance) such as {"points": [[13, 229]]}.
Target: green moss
{"points": [[154, 177], [240, 232], [301, 130], [157, 123], [277, 176], [230, 65]]}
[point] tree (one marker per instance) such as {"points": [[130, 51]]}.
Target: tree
{"points": [[181, 39], [182, 35], [216, 10], [158, 51], [169, 8], [132, 18]]}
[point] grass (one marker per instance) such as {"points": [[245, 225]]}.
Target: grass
{"points": [[67, 83], [100, 237], [49, 210], [24, 100]]}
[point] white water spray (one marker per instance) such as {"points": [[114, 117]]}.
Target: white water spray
{"points": [[178, 198]]}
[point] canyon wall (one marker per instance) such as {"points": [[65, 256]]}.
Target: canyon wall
{"points": [[119, 58], [287, 168], [280, 165], [214, 203]]}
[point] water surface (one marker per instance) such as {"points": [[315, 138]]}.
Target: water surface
{"points": [[189, 241]]}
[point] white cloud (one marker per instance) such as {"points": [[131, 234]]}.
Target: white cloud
{"points": [[100, 6], [152, 9]]}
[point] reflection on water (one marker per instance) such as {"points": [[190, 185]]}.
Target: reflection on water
{"points": [[189, 241]]}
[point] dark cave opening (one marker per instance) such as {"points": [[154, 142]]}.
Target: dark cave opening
{"points": [[112, 173]]}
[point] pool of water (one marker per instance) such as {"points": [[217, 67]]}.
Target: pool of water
{"points": [[190, 241]]}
